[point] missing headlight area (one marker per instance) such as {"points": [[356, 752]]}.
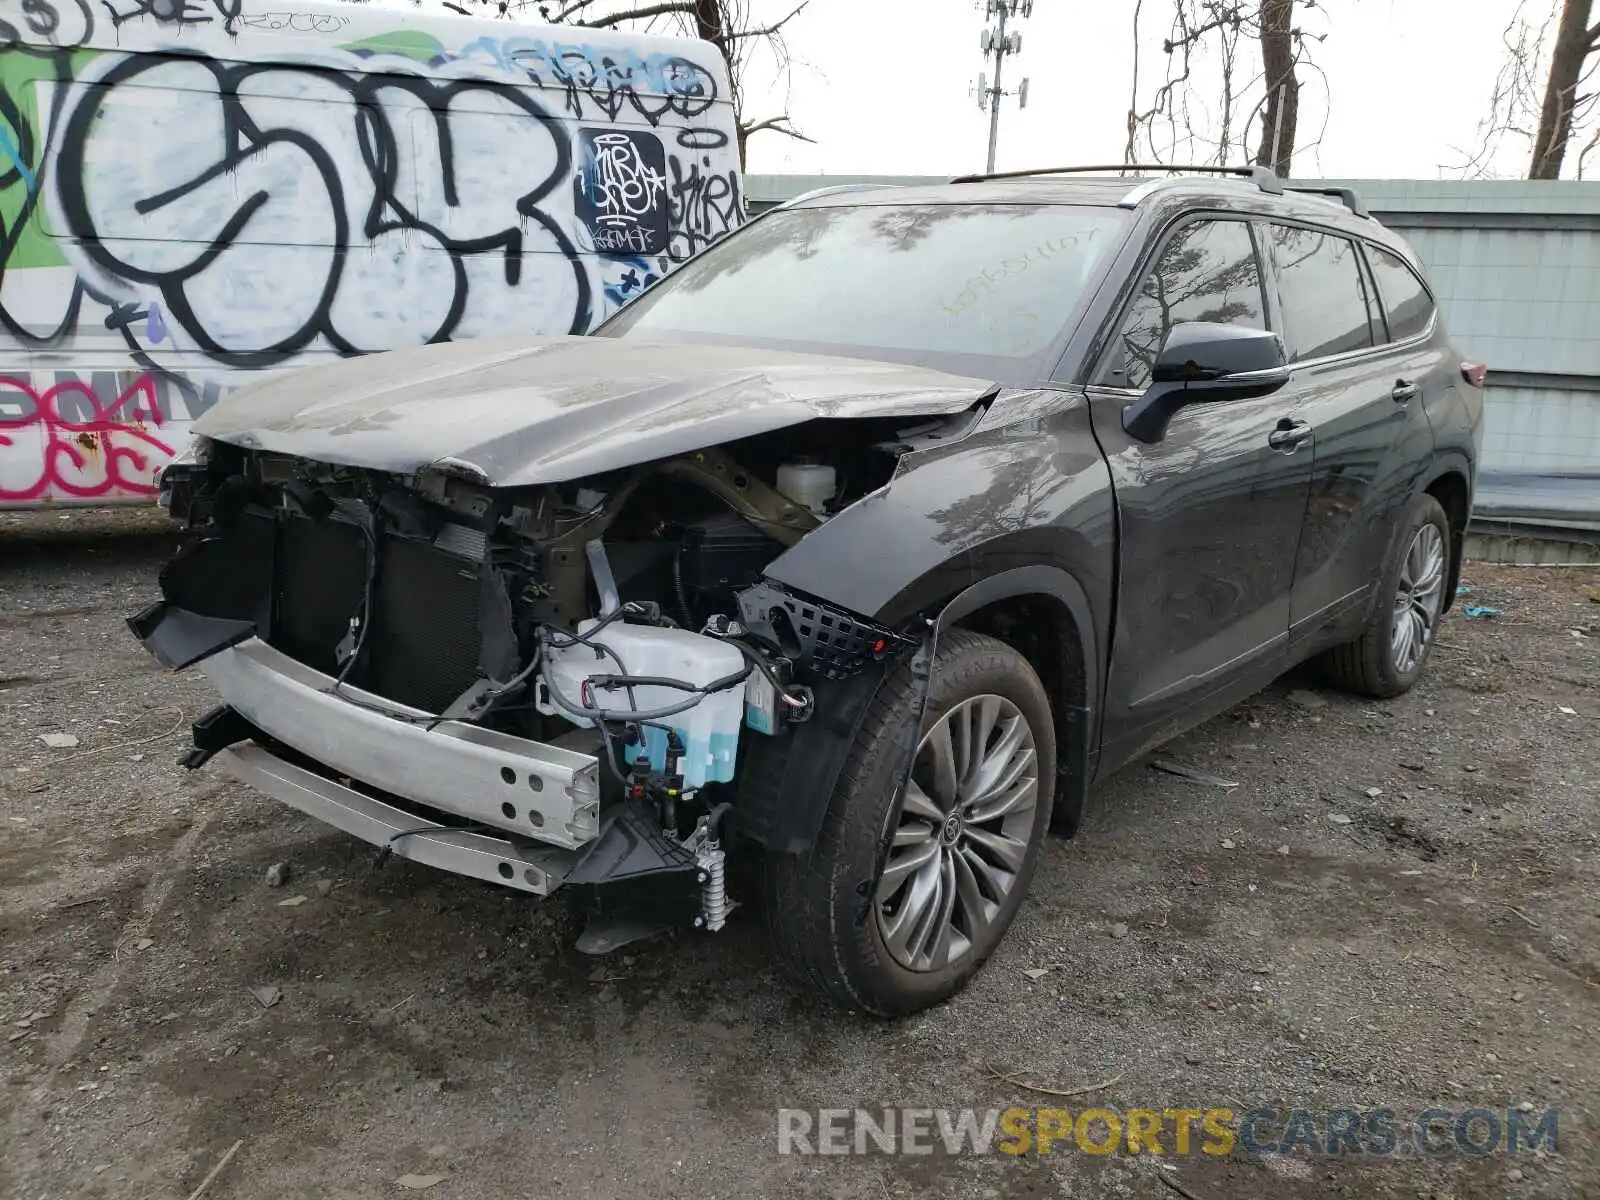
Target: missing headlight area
{"points": [[543, 687]]}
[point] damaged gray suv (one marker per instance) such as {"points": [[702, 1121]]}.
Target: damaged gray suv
{"points": [[860, 545]]}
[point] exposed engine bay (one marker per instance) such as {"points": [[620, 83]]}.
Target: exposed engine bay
{"points": [[615, 634]]}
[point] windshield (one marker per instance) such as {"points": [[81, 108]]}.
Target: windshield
{"points": [[974, 287]]}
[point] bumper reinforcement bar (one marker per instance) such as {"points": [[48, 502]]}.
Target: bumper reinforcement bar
{"points": [[545, 793], [462, 852]]}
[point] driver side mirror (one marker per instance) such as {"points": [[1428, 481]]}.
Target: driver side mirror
{"points": [[1206, 361]]}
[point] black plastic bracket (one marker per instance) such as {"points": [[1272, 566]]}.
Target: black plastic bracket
{"points": [[220, 728], [820, 638], [633, 870], [178, 638]]}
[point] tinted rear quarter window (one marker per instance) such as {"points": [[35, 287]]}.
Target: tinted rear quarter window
{"points": [[1406, 302], [1206, 272], [1323, 294]]}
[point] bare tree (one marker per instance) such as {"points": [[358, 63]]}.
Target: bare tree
{"points": [[740, 34], [1543, 97], [1280, 119], [1576, 42], [1231, 92]]}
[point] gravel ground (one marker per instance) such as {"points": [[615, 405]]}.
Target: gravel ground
{"points": [[1397, 905]]}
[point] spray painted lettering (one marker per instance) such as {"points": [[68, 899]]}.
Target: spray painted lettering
{"points": [[86, 445], [705, 202], [191, 190], [60, 25], [295, 208], [175, 12], [654, 86], [621, 191]]}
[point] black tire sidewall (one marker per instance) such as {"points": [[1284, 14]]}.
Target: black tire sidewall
{"points": [[967, 665], [1424, 510]]}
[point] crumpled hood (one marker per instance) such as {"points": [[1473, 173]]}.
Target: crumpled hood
{"points": [[527, 411]]}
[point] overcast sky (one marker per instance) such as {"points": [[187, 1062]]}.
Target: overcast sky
{"points": [[884, 86]]}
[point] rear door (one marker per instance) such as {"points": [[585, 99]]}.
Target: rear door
{"points": [[1209, 517], [1361, 393]]}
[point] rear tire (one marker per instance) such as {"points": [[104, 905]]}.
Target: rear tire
{"points": [[895, 940], [1388, 657]]}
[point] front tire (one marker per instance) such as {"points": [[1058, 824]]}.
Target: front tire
{"points": [[957, 852], [1387, 658]]}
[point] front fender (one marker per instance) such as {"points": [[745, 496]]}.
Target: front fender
{"points": [[1034, 493], [1022, 510]]}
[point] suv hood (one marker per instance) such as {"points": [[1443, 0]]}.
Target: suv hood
{"points": [[520, 412]]}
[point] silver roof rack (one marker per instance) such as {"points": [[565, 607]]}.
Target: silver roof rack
{"points": [[1345, 196], [1260, 176], [1263, 177], [831, 190]]}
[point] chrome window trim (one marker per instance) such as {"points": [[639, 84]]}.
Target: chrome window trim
{"points": [[1371, 351], [1349, 356]]}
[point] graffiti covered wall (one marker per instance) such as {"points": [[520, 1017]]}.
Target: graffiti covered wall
{"points": [[193, 191]]}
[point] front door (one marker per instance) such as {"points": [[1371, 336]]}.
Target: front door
{"points": [[1208, 518]]}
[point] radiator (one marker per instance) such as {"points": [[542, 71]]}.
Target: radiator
{"points": [[423, 644]]}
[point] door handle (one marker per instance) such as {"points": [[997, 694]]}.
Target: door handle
{"points": [[1288, 435], [1404, 391]]}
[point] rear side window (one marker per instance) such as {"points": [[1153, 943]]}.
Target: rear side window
{"points": [[1406, 302], [1207, 272], [1323, 294]]}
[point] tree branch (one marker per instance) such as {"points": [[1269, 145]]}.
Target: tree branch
{"points": [[1128, 154], [778, 125], [1594, 38], [1584, 153], [644, 11], [769, 30], [1191, 36], [576, 6]]}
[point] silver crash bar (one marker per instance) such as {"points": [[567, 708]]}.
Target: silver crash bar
{"points": [[542, 792], [480, 856]]}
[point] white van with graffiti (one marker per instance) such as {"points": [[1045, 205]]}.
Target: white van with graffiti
{"points": [[195, 191]]}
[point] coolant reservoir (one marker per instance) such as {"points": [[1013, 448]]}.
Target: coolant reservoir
{"points": [[709, 730], [811, 484]]}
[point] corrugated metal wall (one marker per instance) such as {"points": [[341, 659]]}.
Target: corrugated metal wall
{"points": [[1517, 268]]}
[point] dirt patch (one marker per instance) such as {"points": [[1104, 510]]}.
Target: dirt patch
{"points": [[1395, 907]]}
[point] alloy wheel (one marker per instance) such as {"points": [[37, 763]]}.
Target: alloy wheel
{"points": [[962, 834], [1418, 602]]}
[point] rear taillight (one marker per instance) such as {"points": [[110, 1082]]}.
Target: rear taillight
{"points": [[1475, 373]]}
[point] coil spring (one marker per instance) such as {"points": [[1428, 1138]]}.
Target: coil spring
{"points": [[714, 892]]}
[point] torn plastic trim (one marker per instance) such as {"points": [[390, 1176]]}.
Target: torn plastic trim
{"points": [[819, 637], [786, 783], [791, 784], [178, 638]]}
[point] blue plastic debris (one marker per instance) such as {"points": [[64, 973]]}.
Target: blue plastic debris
{"points": [[1463, 589], [1474, 611]]}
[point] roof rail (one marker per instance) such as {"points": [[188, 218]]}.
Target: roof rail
{"points": [[831, 190], [1262, 177], [1346, 196]]}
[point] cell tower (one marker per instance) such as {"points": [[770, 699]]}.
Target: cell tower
{"points": [[999, 43]]}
